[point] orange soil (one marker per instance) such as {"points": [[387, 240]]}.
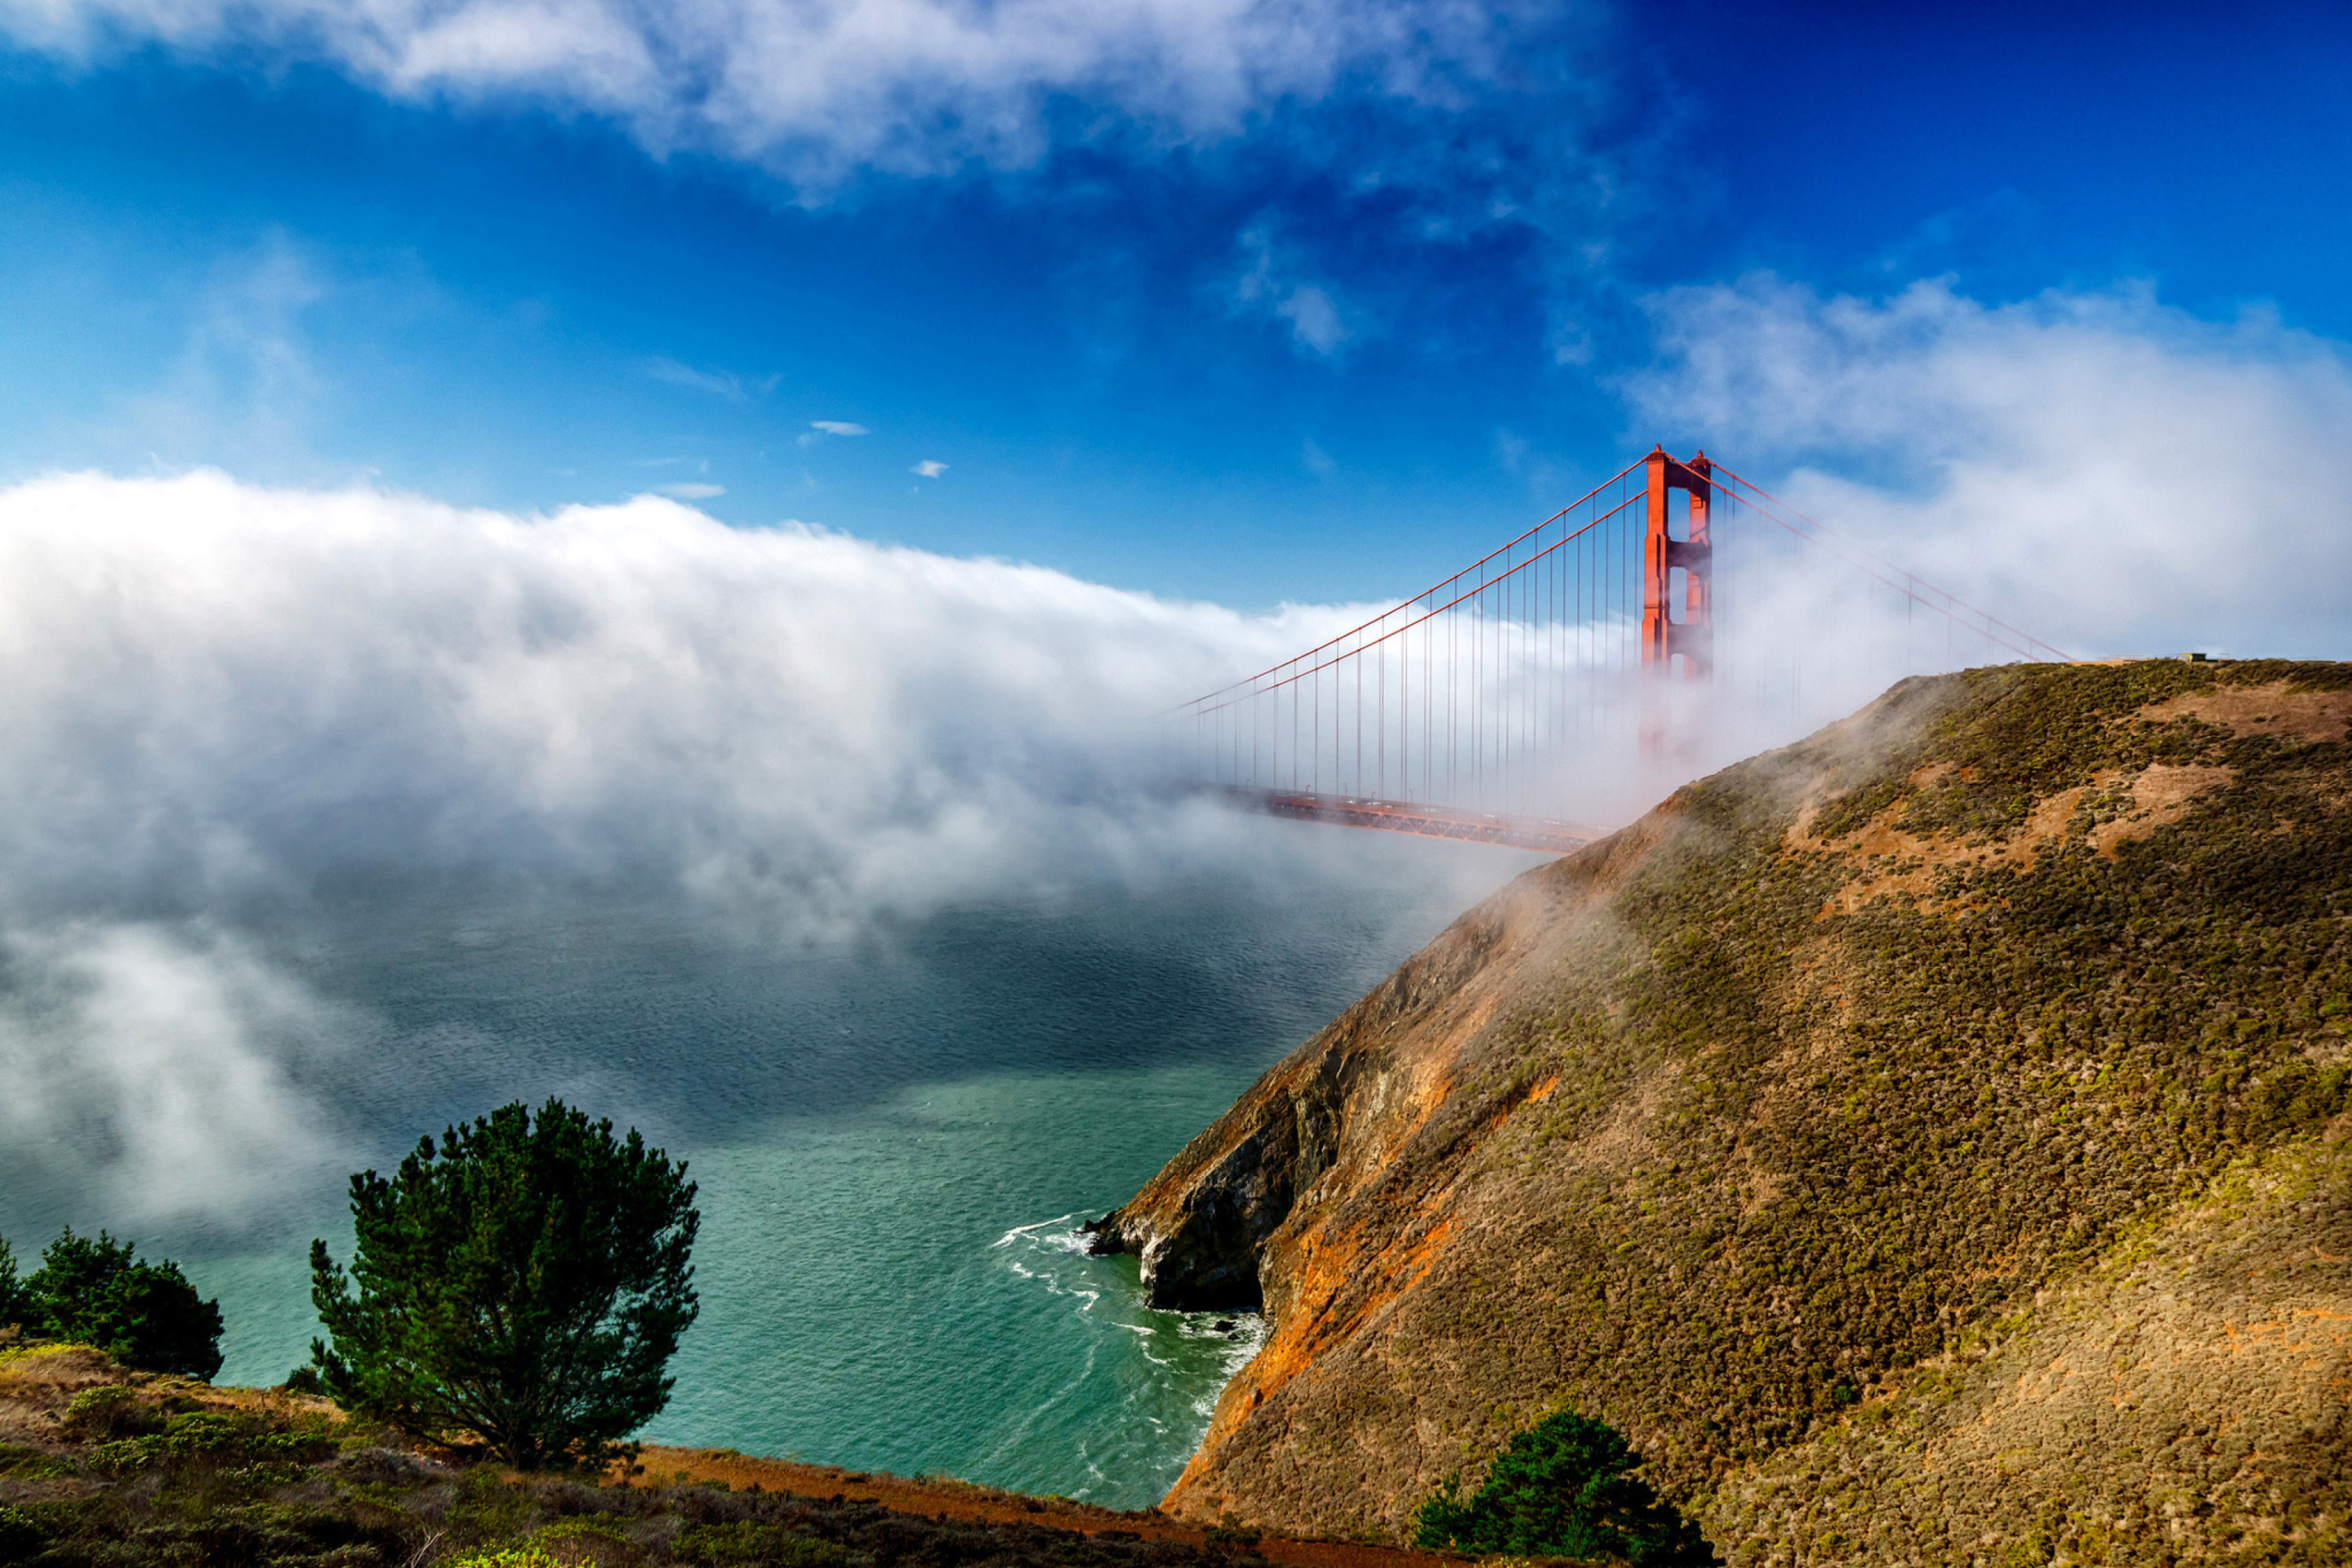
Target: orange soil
{"points": [[961, 1500], [2273, 710], [2158, 796]]}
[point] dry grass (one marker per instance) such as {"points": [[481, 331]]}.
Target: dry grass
{"points": [[1859, 1051]]}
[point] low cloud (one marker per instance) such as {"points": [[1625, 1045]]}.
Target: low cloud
{"points": [[218, 690], [156, 1072], [929, 469], [2114, 474], [693, 491], [838, 427], [226, 707]]}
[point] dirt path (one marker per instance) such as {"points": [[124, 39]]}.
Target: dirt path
{"points": [[961, 1500]]}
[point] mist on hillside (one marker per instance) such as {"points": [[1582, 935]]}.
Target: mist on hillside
{"points": [[236, 714]]}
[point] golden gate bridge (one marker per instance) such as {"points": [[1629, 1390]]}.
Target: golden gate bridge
{"points": [[1476, 709]]}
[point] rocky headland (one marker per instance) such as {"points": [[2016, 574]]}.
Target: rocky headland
{"points": [[1928, 1143]]}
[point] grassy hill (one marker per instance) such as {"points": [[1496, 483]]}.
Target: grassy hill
{"points": [[102, 1465], [1927, 1141]]}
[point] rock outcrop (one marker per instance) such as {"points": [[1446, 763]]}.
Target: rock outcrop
{"points": [[1928, 1143]]}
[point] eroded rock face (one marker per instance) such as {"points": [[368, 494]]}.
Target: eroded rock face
{"points": [[1806, 1132], [1339, 1106], [1200, 1251]]}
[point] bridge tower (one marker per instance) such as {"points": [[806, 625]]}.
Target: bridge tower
{"points": [[1662, 636]]}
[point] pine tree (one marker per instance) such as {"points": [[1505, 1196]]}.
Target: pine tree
{"points": [[1564, 1487], [526, 1282], [15, 1300], [95, 1291]]}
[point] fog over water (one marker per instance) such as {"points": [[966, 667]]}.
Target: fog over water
{"points": [[895, 1139], [838, 870], [852, 873]]}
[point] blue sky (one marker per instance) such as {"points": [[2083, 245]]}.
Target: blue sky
{"points": [[1245, 302], [339, 335]]}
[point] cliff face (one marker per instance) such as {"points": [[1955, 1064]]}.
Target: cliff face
{"points": [[1928, 1143]]}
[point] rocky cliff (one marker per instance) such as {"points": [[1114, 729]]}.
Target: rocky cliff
{"points": [[1928, 1143]]}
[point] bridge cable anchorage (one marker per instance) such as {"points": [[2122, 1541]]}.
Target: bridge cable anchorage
{"points": [[1585, 660]]}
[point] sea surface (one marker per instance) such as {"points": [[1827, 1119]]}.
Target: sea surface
{"points": [[896, 1138]]}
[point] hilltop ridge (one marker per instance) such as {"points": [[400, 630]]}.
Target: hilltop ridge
{"points": [[1927, 1141]]}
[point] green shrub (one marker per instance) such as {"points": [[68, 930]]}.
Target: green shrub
{"points": [[1564, 1487], [525, 1281], [29, 1464], [578, 1542], [22, 1538], [109, 1412], [768, 1545], [95, 1291], [488, 1505], [209, 1436], [15, 1299]]}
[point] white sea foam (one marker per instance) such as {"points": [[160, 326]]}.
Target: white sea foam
{"points": [[1164, 1370]]}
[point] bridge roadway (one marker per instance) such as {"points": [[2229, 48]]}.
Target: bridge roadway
{"points": [[1541, 833]]}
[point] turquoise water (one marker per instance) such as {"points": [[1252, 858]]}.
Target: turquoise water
{"points": [[959, 1326], [895, 1144]]}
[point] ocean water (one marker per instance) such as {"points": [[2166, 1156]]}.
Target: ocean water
{"points": [[895, 1141]]}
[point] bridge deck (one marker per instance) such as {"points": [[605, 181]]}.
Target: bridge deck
{"points": [[1539, 833]]}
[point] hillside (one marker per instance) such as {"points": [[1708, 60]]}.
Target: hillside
{"points": [[1927, 1141], [99, 1465]]}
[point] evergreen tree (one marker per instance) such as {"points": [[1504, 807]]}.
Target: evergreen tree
{"points": [[1564, 1487], [95, 1291], [526, 1282], [15, 1300]]}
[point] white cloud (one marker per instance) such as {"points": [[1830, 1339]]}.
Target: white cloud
{"points": [[214, 690], [930, 469], [724, 383], [224, 706], [2113, 474], [155, 1071], [838, 427], [245, 384], [1269, 284], [692, 491], [1314, 318], [916, 86]]}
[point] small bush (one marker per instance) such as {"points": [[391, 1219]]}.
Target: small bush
{"points": [[208, 1435], [1231, 1536], [577, 1542], [488, 1505], [15, 1299], [109, 1412], [1564, 1487], [21, 1535], [29, 1464], [92, 1289], [769, 1545]]}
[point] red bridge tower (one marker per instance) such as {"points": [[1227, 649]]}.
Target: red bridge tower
{"points": [[1693, 637], [1662, 636]]}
